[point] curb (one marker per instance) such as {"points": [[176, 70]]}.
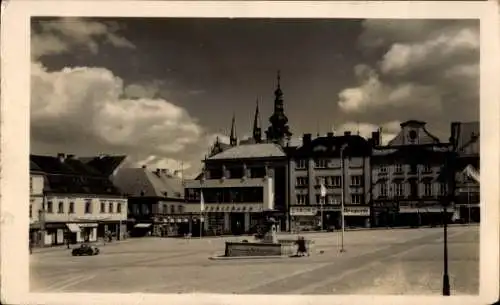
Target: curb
{"points": [[227, 258]]}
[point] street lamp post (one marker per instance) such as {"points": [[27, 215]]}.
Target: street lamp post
{"points": [[450, 179]]}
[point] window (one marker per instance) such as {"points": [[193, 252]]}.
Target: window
{"points": [[383, 169], [49, 207], [398, 190], [356, 180], [301, 181], [31, 185], [320, 180], [320, 163], [336, 181], [31, 211], [103, 207], [110, 207], [427, 189], [398, 168], [118, 208], [301, 199], [355, 199], [301, 164], [60, 207], [333, 199], [442, 189], [71, 209], [88, 207], [172, 209], [180, 209], [145, 209], [383, 190], [426, 168]]}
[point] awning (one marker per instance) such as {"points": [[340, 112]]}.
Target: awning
{"points": [[73, 227], [142, 225]]}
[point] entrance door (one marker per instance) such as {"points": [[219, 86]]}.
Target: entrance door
{"points": [[237, 223]]}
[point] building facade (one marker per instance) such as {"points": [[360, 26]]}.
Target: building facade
{"points": [[156, 201], [342, 165], [77, 202], [238, 186], [467, 171], [406, 185]]}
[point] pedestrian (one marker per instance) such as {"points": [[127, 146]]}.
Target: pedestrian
{"points": [[30, 246], [301, 247], [67, 243]]}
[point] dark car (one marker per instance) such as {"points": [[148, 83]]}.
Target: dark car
{"points": [[85, 249]]}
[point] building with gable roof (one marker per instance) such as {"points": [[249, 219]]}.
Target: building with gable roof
{"points": [[406, 185], [74, 200], [156, 201], [239, 185]]}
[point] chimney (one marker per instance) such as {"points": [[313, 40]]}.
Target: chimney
{"points": [[375, 138], [306, 139], [347, 133], [61, 157], [330, 134]]}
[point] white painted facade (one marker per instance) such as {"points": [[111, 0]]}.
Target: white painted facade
{"points": [[266, 183]]}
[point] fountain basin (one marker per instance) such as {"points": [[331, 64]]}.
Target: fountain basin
{"points": [[285, 247]]}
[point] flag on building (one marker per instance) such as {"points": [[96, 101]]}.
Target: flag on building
{"points": [[323, 191], [202, 202]]}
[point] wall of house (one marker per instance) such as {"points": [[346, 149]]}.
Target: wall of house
{"points": [[79, 209]]}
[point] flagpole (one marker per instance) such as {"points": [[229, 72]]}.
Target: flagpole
{"points": [[342, 197]]}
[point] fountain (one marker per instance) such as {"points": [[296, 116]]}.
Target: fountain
{"points": [[268, 245]]}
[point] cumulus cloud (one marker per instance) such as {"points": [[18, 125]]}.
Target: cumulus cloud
{"points": [[89, 110], [427, 68], [62, 35]]}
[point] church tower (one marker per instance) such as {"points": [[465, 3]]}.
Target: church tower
{"points": [[233, 140], [257, 131], [279, 131]]}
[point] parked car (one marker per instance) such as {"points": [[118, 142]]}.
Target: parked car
{"points": [[85, 249]]}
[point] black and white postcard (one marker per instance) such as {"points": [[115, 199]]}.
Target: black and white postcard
{"points": [[250, 152]]}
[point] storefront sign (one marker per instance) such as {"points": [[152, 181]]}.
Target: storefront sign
{"points": [[303, 211], [356, 211]]}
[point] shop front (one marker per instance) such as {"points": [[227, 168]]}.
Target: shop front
{"points": [[357, 216], [303, 218]]}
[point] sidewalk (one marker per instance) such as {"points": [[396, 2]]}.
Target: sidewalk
{"points": [[383, 228], [99, 243]]}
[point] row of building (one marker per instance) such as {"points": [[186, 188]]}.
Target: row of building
{"points": [[404, 182]]}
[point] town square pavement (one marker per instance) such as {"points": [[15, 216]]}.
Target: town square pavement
{"points": [[398, 261]]}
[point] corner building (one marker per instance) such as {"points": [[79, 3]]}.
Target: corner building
{"points": [[342, 165]]}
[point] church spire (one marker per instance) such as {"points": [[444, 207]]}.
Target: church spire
{"points": [[257, 132], [279, 131], [233, 140]]}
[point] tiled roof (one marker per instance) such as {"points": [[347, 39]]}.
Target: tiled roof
{"points": [[142, 182], [71, 176], [104, 164], [250, 151], [355, 145]]}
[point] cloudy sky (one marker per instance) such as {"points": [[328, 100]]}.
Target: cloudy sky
{"points": [[160, 90]]}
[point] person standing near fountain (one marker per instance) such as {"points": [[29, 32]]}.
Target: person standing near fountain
{"points": [[301, 247]]}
